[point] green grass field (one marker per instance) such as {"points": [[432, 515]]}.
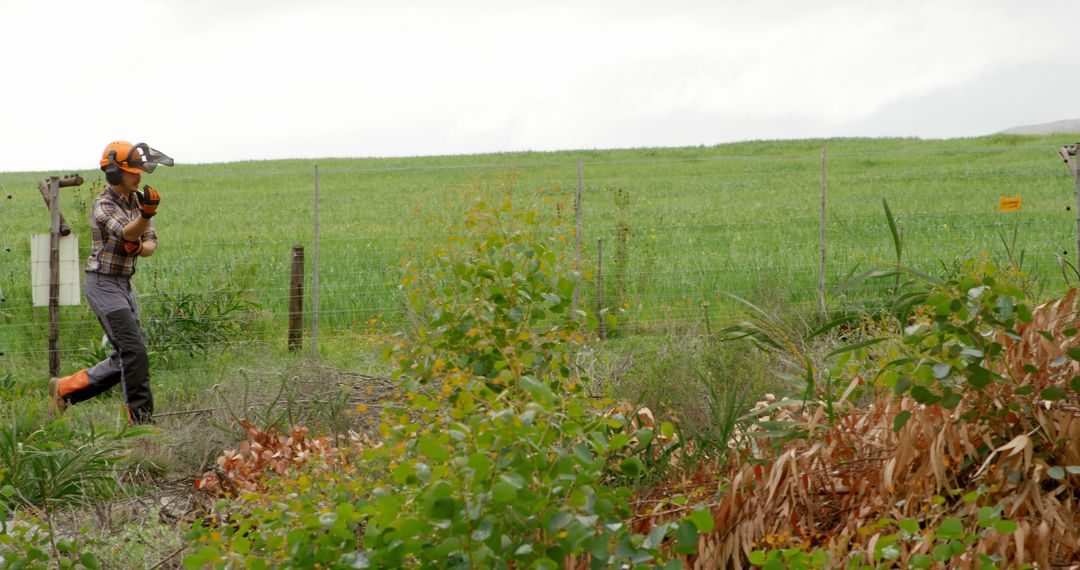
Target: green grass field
{"points": [[679, 226]]}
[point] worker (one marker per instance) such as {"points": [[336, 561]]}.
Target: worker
{"points": [[122, 231]]}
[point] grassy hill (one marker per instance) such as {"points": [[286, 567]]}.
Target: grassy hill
{"points": [[679, 226]]}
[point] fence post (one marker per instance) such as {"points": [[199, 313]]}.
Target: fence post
{"points": [[315, 277], [821, 240], [53, 199], [600, 286], [577, 241], [296, 299]]}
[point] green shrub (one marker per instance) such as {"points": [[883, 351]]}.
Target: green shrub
{"points": [[30, 544], [492, 456]]}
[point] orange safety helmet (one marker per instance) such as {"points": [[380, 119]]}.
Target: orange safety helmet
{"points": [[133, 158]]}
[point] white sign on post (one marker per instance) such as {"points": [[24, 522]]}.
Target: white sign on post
{"points": [[69, 269]]}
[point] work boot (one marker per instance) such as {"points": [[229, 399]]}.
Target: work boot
{"points": [[60, 388]]}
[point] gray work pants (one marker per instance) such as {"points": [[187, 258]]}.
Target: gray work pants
{"points": [[112, 299]]}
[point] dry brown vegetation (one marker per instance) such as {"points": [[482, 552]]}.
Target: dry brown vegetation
{"points": [[847, 486]]}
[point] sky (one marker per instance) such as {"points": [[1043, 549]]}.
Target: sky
{"points": [[229, 80]]}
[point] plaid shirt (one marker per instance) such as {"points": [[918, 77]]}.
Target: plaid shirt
{"points": [[108, 216]]}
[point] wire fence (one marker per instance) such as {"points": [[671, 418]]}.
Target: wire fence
{"points": [[678, 232]]}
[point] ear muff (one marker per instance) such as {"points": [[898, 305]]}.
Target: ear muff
{"points": [[113, 174]]}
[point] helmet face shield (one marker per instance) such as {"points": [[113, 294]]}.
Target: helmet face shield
{"points": [[145, 158]]}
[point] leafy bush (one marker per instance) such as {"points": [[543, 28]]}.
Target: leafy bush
{"points": [[31, 545], [492, 456]]}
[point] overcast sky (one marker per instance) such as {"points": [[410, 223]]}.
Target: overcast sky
{"points": [[220, 80]]}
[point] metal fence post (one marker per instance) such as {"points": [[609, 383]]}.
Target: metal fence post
{"points": [[821, 241], [600, 286], [577, 240], [315, 276]]}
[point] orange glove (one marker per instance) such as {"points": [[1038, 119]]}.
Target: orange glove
{"points": [[132, 247], [148, 201]]}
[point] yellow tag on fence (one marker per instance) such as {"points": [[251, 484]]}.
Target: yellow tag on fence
{"points": [[1009, 204]]}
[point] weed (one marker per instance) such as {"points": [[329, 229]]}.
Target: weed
{"points": [[195, 323], [59, 461]]}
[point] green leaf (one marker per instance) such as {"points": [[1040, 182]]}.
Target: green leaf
{"points": [[941, 370], [898, 245], [483, 530], [978, 376], [903, 383], [515, 480], [951, 528], [503, 492], [923, 395], [1006, 527], [909, 526], [618, 441], [901, 419], [655, 538], [775, 564], [921, 561], [538, 390], [1052, 393], [757, 558], [544, 564], [942, 552], [443, 509], [632, 467], [1075, 383], [951, 400], [702, 519], [1074, 353], [600, 549], [434, 446], [89, 560], [686, 538], [667, 430], [1056, 472]]}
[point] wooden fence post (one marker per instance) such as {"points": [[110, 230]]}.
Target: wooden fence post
{"points": [[53, 199], [296, 299]]}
